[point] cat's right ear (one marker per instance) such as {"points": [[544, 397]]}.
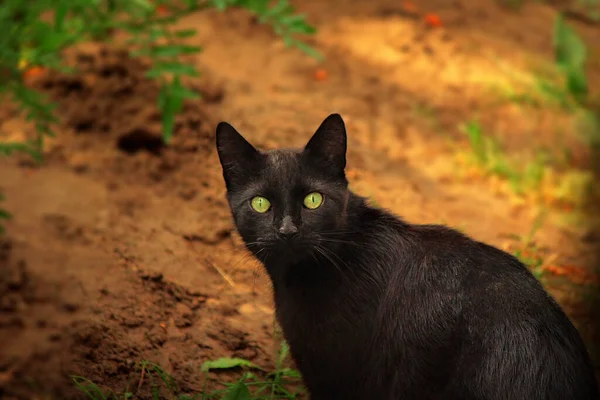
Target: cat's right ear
{"points": [[328, 145], [237, 156]]}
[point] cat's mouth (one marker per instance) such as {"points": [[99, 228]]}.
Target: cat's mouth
{"points": [[289, 244], [292, 246]]}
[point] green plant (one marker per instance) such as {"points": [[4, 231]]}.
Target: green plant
{"points": [[250, 387], [570, 54], [31, 38], [527, 251], [591, 8], [36, 33], [489, 155], [274, 385]]}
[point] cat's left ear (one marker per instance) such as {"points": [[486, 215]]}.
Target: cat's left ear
{"points": [[328, 144]]}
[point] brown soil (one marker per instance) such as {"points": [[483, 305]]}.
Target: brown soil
{"points": [[122, 249]]}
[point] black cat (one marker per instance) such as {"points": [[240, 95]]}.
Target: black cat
{"points": [[375, 308]]}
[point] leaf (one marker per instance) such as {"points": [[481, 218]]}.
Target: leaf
{"points": [[168, 116], [185, 33], [183, 92], [290, 373], [297, 24], [90, 389], [59, 16], [281, 8], [310, 51], [577, 82], [174, 68], [228, 363], [220, 5], [239, 391], [283, 353], [569, 49], [172, 50]]}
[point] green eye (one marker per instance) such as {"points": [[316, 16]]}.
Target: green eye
{"points": [[260, 204], [313, 200]]}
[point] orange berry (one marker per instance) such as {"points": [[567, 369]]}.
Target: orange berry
{"points": [[321, 74], [433, 20], [162, 10]]}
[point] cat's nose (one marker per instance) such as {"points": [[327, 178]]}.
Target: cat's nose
{"points": [[288, 228]]}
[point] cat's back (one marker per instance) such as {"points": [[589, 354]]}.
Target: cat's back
{"points": [[514, 334]]}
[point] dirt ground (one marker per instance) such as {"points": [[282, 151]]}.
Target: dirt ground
{"points": [[122, 249]]}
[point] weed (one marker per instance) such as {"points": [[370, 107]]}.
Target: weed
{"points": [[589, 128], [536, 177], [489, 155], [249, 386], [275, 385], [36, 41], [570, 54], [527, 251], [575, 187]]}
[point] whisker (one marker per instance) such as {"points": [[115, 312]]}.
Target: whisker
{"points": [[338, 241]]}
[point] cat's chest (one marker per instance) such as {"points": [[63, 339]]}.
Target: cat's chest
{"points": [[317, 321], [330, 340]]}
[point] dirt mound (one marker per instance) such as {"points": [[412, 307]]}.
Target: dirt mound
{"points": [[110, 104], [31, 308], [107, 335], [111, 97]]}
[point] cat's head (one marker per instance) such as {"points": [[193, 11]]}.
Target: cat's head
{"points": [[286, 202]]}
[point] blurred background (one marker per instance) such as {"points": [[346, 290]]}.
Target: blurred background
{"points": [[120, 273]]}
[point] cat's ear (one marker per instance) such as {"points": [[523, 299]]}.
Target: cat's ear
{"points": [[328, 144], [238, 157]]}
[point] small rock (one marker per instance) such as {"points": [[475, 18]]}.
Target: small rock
{"points": [[17, 276], [153, 276], [591, 237], [12, 322], [197, 303], [132, 321], [250, 309], [79, 162], [8, 303], [54, 336], [184, 316], [183, 310], [70, 306], [188, 194], [157, 336]]}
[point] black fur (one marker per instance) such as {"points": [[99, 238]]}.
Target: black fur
{"points": [[376, 308]]}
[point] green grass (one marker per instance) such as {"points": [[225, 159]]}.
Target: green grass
{"points": [[527, 251], [489, 155], [36, 41], [255, 383]]}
